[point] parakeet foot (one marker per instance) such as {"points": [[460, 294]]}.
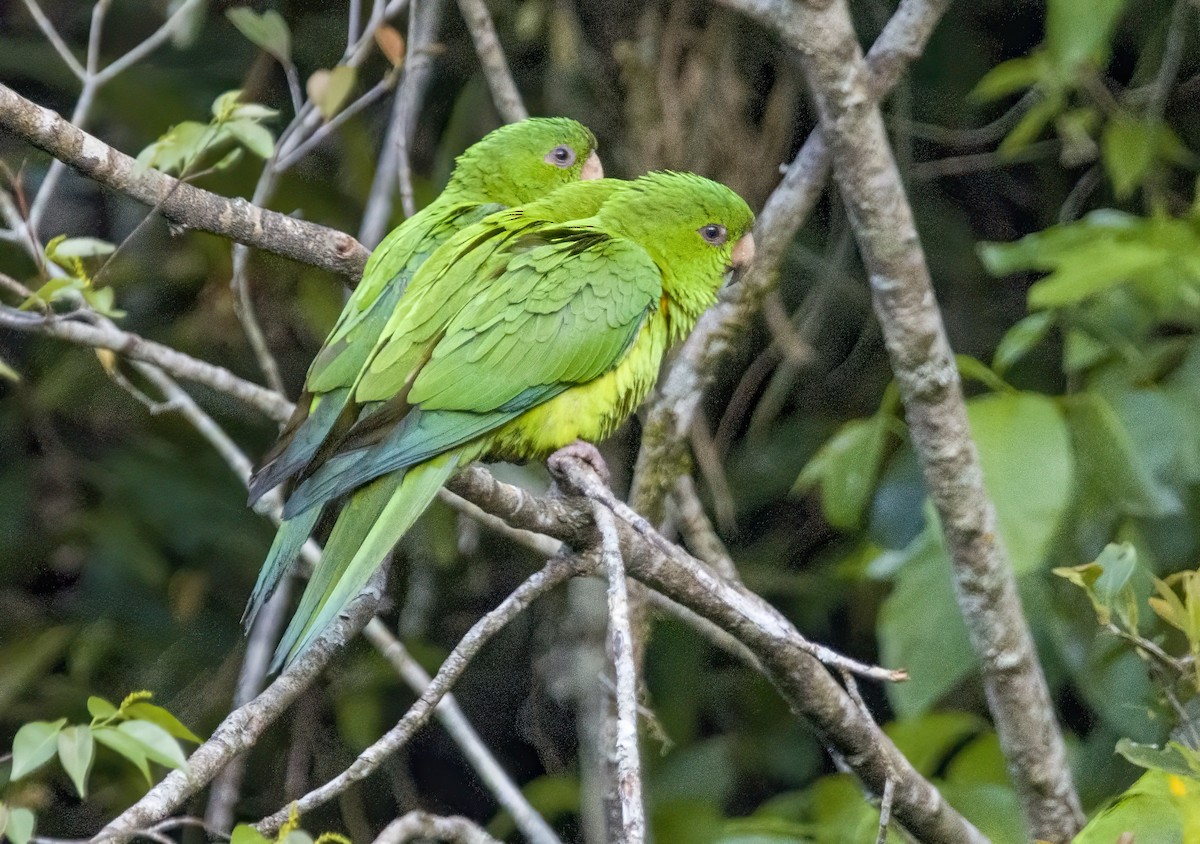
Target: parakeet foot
{"points": [[579, 450]]}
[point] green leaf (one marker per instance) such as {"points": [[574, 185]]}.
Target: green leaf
{"points": [[1111, 469], [157, 715], [76, 749], [330, 88], [847, 467], [921, 629], [258, 139], [155, 742], [100, 709], [7, 372], [252, 111], [1078, 32], [178, 148], [1170, 758], [115, 740], [52, 291], [973, 369], [1025, 449], [101, 299], [1030, 126], [1009, 77], [244, 833], [1109, 263], [1018, 340], [20, 826], [1129, 146], [267, 30], [929, 741], [34, 745]]}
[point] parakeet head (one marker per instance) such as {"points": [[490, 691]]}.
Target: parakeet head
{"points": [[522, 161], [695, 229]]}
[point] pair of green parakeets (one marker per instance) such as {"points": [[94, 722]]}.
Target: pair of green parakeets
{"points": [[527, 307]]}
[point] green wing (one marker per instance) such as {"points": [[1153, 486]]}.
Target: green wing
{"points": [[564, 309], [388, 272]]}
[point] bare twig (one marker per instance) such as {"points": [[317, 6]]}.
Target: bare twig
{"points": [[930, 389], [698, 531], [491, 55], [182, 203], [531, 824], [393, 162], [556, 571], [422, 825], [631, 828], [54, 38], [101, 333]]}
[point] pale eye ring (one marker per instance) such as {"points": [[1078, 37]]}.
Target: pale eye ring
{"points": [[561, 156], [713, 233]]}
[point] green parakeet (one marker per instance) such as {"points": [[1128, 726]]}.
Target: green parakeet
{"points": [[514, 164], [513, 341]]}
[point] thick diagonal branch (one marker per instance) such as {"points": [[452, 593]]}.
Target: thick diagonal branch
{"points": [[182, 203], [925, 370]]}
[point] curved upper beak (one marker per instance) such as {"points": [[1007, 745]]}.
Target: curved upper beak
{"points": [[592, 168], [743, 251]]}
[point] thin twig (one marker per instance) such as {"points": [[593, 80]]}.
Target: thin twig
{"points": [[527, 819], [101, 333], [628, 787], [495, 66], [422, 825], [54, 38]]}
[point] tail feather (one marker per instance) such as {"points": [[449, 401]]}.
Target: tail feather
{"points": [[289, 539], [302, 443], [373, 520]]}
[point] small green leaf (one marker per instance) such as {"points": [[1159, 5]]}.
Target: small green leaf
{"points": [[1031, 125], [76, 749], [99, 708], [1009, 77], [111, 738], [1078, 31], [330, 88], [973, 369], [252, 111], [244, 833], [155, 742], [847, 467], [1018, 340], [254, 137], [7, 372], [267, 30], [157, 715], [79, 247], [52, 291], [34, 745], [178, 148], [1129, 146], [101, 299], [20, 826], [1168, 758]]}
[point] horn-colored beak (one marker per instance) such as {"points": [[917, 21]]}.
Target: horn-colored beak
{"points": [[743, 251], [592, 168]]}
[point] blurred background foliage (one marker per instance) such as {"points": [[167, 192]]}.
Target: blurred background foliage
{"points": [[1049, 150]]}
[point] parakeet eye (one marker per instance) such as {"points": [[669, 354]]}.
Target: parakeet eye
{"points": [[561, 156], [713, 233]]}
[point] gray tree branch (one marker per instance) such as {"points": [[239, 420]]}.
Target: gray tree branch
{"points": [[180, 202], [925, 370]]}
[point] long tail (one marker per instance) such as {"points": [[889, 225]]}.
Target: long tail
{"points": [[300, 442], [373, 520], [289, 539]]}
